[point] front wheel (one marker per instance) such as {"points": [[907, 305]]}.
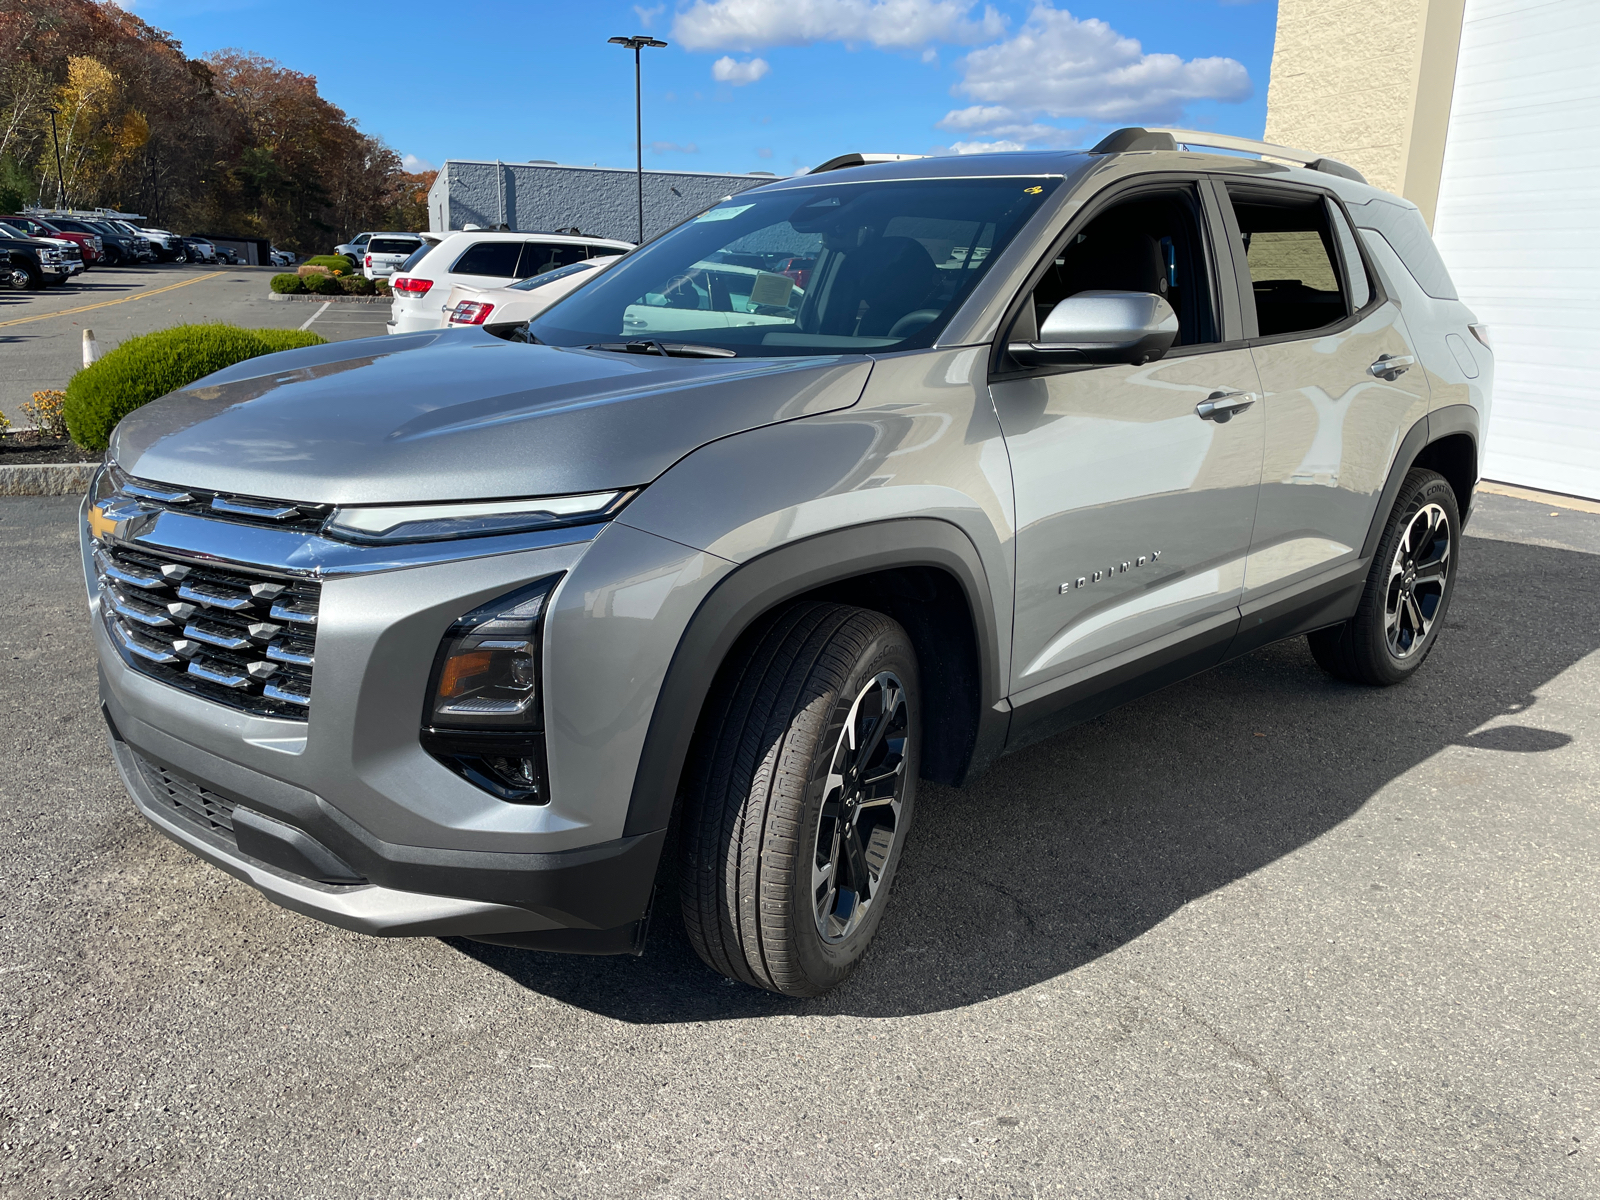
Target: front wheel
{"points": [[1407, 592], [800, 799]]}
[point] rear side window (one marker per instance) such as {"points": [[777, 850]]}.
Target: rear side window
{"points": [[391, 246], [1407, 233], [539, 257], [1355, 271], [498, 259], [1289, 248], [417, 255]]}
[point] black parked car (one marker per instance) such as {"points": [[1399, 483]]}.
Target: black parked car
{"points": [[32, 263], [119, 246]]}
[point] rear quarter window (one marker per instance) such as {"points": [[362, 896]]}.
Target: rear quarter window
{"points": [[1407, 234]]}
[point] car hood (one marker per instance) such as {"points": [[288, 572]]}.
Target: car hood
{"points": [[461, 415]]}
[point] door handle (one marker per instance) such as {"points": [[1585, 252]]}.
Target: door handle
{"points": [[1391, 366], [1220, 406]]}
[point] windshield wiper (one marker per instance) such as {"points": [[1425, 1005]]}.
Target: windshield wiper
{"points": [[666, 349]]}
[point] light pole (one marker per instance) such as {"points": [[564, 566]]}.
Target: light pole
{"points": [[61, 183], [636, 43]]}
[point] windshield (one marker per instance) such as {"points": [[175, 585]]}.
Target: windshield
{"points": [[830, 269]]}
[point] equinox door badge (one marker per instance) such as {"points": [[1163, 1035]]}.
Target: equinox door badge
{"points": [[1121, 568]]}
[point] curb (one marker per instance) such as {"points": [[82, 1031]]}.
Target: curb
{"points": [[313, 298], [47, 479]]}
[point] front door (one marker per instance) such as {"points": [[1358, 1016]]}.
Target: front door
{"points": [[1340, 379], [1134, 498]]}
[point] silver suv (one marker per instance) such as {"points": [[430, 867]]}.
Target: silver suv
{"points": [[442, 633]]}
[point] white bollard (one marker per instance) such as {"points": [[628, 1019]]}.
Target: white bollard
{"points": [[91, 350]]}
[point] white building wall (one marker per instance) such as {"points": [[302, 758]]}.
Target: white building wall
{"points": [[1518, 225]]}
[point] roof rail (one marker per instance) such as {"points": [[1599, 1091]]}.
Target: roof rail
{"points": [[839, 162], [1135, 138]]}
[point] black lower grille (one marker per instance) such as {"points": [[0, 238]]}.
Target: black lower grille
{"points": [[188, 801], [226, 632]]}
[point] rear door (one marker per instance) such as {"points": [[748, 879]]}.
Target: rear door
{"points": [[1340, 378], [1133, 511]]}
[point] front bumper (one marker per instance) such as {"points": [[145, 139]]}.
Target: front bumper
{"points": [[593, 900], [415, 849]]}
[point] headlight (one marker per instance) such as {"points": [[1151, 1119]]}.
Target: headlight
{"points": [[484, 716], [432, 522]]}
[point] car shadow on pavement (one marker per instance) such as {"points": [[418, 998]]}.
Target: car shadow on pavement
{"points": [[1078, 845]]}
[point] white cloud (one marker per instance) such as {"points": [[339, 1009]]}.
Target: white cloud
{"points": [[1060, 66], [417, 165], [673, 148], [903, 24], [998, 121], [647, 16], [731, 70], [999, 147]]}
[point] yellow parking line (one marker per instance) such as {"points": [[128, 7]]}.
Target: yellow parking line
{"points": [[67, 312]]}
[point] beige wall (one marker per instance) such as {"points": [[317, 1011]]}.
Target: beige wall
{"points": [[1368, 82]]}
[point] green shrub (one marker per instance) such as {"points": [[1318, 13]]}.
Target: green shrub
{"points": [[357, 285], [287, 285], [334, 262], [145, 368], [289, 339], [322, 285], [381, 287]]}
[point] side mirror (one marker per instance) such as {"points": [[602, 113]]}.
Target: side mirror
{"points": [[1102, 327]]}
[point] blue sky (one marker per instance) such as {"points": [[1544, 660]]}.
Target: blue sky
{"points": [[775, 85]]}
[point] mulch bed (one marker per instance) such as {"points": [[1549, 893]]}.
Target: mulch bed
{"points": [[22, 450]]}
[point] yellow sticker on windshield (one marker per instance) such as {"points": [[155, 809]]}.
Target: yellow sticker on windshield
{"points": [[1033, 191]]}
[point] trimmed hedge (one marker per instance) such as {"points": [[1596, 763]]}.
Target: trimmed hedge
{"points": [[334, 262], [287, 285], [357, 285], [145, 368], [322, 285]]}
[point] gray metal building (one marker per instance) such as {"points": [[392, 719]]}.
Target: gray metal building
{"points": [[599, 201]]}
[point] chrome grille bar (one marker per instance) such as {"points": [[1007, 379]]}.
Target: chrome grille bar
{"points": [[220, 630]]}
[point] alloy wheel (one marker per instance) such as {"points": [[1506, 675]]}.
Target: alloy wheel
{"points": [[1417, 579], [859, 825]]}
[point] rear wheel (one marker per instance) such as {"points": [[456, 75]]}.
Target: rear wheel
{"points": [[800, 800], [1407, 592]]}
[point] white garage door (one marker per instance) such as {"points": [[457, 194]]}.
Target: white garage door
{"points": [[1518, 224]]}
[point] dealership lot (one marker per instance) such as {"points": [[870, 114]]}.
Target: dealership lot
{"points": [[1261, 934], [41, 333]]}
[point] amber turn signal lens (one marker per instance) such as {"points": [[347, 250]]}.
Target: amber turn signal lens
{"points": [[460, 671]]}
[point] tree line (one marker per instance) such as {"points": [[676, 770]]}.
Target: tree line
{"points": [[229, 143]]}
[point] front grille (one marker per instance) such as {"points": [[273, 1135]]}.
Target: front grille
{"points": [[226, 506], [188, 801], [226, 632]]}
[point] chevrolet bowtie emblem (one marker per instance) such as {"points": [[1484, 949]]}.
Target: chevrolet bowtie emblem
{"points": [[100, 525]]}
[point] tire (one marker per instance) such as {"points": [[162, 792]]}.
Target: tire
{"points": [[113, 257], [1407, 593], [180, 257], [36, 280], [796, 814]]}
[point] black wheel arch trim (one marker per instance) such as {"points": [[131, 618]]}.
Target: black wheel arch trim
{"points": [[786, 573], [1449, 421]]}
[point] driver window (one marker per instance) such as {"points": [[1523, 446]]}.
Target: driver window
{"points": [[1149, 243]]}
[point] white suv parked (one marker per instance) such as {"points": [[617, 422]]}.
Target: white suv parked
{"points": [[483, 260], [386, 252]]}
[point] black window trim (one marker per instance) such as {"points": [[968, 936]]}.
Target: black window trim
{"points": [[1227, 186], [1091, 207]]}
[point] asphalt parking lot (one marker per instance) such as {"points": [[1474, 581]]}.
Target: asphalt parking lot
{"points": [[41, 333], [1261, 934]]}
